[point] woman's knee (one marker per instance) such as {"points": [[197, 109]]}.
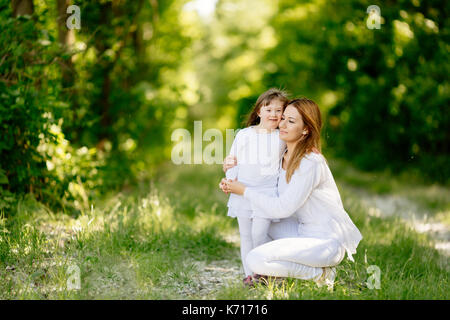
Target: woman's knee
{"points": [[336, 253]]}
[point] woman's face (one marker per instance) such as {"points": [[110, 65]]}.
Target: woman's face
{"points": [[291, 125]]}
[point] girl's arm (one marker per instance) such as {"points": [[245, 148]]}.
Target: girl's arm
{"points": [[302, 183]]}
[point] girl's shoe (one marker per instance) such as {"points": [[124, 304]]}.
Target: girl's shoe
{"points": [[248, 281], [327, 278]]}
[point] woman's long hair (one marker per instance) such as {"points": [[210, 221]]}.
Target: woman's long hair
{"points": [[263, 100], [312, 120]]}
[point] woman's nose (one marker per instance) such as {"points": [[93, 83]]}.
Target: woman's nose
{"points": [[282, 124]]}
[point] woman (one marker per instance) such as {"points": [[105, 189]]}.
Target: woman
{"points": [[308, 193]]}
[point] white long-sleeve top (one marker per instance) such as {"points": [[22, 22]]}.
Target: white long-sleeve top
{"points": [[313, 198], [258, 157]]}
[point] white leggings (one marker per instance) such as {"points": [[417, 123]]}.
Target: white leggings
{"points": [[253, 232], [293, 255]]}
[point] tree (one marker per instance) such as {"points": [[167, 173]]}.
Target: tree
{"points": [[22, 7]]}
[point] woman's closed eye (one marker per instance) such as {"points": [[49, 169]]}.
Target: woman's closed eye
{"points": [[290, 121]]}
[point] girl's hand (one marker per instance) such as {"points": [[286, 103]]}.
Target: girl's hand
{"points": [[234, 186], [229, 162], [222, 185]]}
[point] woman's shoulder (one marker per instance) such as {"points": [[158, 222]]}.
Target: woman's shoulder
{"points": [[309, 162], [314, 157]]}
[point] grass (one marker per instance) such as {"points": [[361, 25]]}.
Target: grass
{"points": [[171, 239]]}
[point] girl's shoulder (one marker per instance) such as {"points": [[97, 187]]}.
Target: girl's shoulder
{"points": [[242, 132], [255, 131], [252, 134]]}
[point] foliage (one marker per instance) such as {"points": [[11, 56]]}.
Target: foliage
{"points": [[386, 89], [28, 88], [86, 111], [79, 117]]}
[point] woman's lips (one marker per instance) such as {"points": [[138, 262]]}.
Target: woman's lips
{"points": [[283, 132]]}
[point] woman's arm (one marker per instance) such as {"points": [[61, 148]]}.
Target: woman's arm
{"points": [[230, 161], [302, 183]]}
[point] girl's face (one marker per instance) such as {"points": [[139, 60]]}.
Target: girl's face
{"points": [[292, 127], [271, 114]]}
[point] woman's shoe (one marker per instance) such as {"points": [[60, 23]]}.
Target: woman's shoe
{"points": [[259, 278], [327, 278], [265, 280]]}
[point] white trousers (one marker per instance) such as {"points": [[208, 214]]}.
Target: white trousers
{"points": [[293, 255], [253, 233]]}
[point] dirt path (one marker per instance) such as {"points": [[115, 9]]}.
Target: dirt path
{"points": [[213, 276], [411, 213]]}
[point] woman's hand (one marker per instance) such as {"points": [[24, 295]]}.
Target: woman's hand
{"points": [[234, 186], [229, 162]]}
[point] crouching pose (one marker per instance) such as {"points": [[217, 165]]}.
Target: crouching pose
{"points": [[323, 231]]}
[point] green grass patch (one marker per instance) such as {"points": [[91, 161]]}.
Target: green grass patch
{"points": [[157, 241]]}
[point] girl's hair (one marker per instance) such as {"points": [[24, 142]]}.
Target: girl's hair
{"points": [[312, 120], [263, 100]]}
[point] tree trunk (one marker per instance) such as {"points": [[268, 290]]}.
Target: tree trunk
{"points": [[66, 38], [22, 7], [104, 102], [103, 69]]}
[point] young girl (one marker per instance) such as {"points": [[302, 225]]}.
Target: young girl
{"points": [[258, 150]]}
